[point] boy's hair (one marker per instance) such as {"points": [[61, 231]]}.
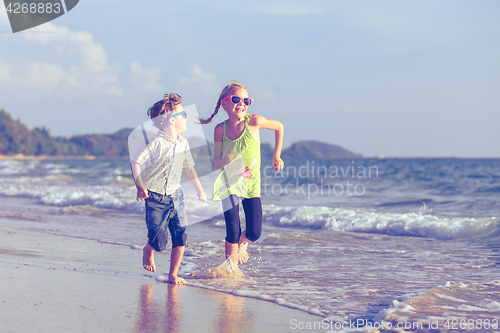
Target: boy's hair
{"points": [[167, 104], [232, 86]]}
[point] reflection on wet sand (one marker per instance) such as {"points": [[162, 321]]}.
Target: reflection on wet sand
{"points": [[174, 306], [153, 316], [179, 313], [232, 310]]}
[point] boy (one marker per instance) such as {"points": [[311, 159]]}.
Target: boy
{"points": [[165, 156]]}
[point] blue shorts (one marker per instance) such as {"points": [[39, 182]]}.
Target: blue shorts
{"points": [[162, 211]]}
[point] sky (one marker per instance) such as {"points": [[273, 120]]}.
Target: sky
{"points": [[380, 78]]}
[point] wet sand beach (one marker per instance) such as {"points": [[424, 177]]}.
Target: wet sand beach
{"points": [[54, 283]]}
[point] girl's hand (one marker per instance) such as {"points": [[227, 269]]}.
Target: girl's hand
{"points": [[230, 156], [278, 164], [142, 194], [202, 196]]}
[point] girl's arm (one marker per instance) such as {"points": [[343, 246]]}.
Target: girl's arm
{"points": [[219, 160], [279, 129]]}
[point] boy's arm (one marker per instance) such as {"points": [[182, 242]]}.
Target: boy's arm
{"points": [[142, 192], [193, 177], [279, 129]]}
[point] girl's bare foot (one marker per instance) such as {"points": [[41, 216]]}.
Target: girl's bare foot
{"points": [[174, 279], [148, 258], [242, 253], [227, 270]]}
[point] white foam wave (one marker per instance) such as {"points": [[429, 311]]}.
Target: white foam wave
{"points": [[120, 195], [453, 300], [16, 167], [111, 190], [397, 224]]}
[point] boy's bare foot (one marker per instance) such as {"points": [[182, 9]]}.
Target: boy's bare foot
{"points": [[148, 258], [174, 279], [242, 253]]}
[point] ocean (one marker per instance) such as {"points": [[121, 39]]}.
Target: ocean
{"points": [[389, 244]]}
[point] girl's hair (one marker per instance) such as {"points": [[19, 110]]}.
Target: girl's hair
{"points": [[232, 86], [167, 104]]}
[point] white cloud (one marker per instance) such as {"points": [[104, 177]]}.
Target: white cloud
{"points": [[32, 75], [88, 71], [205, 80], [145, 79]]}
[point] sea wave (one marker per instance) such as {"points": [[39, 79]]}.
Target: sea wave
{"points": [[63, 190], [397, 224], [119, 193], [462, 307], [387, 209]]}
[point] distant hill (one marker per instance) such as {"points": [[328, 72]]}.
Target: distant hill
{"points": [[16, 138], [316, 149]]}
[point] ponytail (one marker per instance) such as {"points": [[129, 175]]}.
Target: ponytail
{"points": [[225, 92], [209, 120]]}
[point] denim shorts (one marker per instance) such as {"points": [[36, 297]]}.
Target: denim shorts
{"points": [[162, 211]]}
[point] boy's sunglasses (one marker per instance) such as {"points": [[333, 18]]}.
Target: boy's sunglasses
{"points": [[183, 113], [236, 99]]}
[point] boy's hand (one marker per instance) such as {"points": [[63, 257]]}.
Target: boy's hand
{"points": [[202, 196], [142, 194], [278, 164]]}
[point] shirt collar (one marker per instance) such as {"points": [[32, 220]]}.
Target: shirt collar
{"points": [[164, 135]]}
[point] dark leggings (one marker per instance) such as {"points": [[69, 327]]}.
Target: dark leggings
{"points": [[253, 218]]}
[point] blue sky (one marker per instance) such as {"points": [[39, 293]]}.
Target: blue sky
{"points": [[390, 78]]}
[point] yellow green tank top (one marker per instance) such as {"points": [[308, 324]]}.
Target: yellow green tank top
{"points": [[241, 177]]}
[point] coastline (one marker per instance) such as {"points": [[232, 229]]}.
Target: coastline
{"points": [[57, 283]]}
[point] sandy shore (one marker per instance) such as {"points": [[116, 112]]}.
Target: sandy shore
{"points": [[60, 284]]}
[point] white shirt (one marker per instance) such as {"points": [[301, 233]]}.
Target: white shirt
{"points": [[164, 160]]}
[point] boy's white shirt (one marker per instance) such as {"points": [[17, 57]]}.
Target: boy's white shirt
{"points": [[148, 132]]}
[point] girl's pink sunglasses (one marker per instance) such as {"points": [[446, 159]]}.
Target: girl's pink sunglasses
{"points": [[236, 99]]}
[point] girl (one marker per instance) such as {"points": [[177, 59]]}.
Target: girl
{"points": [[237, 154]]}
